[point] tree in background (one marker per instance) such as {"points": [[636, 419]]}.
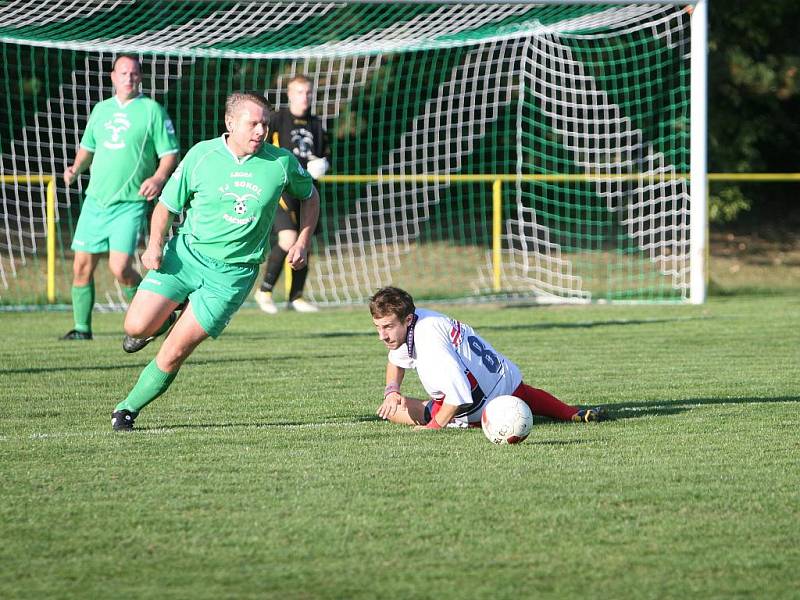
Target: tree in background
{"points": [[754, 107]]}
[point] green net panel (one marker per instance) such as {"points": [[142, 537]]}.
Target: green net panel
{"points": [[580, 112]]}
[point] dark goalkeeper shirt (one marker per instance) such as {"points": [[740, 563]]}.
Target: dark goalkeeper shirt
{"points": [[305, 136]]}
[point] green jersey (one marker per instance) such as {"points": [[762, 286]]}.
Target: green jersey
{"points": [[230, 202], [127, 140]]}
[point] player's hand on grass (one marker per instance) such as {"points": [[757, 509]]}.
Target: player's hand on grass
{"points": [[423, 428], [391, 404], [151, 188], [296, 256]]}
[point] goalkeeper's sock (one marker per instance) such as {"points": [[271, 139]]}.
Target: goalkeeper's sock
{"points": [[277, 256], [151, 384], [298, 283], [82, 304], [544, 404], [129, 291]]}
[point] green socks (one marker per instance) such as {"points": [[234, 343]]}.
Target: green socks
{"points": [[82, 304], [152, 383]]}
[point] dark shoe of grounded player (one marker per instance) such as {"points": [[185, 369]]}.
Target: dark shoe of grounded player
{"points": [[587, 415], [122, 420], [74, 334], [132, 344]]}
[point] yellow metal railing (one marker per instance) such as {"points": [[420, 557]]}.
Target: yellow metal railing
{"points": [[496, 180], [50, 183]]}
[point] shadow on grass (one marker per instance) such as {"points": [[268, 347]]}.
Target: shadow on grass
{"points": [[260, 359], [533, 442], [576, 325], [266, 424], [634, 410], [589, 324]]}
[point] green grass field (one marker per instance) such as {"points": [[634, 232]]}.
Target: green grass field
{"points": [[263, 472]]}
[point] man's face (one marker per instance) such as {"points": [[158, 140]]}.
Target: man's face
{"points": [[299, 98], [126, 78], [247, 127], [392, 330]]}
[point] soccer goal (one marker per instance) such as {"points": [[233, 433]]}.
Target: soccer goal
{"points": [[551, 151]]}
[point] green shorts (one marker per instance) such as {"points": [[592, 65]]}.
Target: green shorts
{"points": [[114, 227], [215, 289]]}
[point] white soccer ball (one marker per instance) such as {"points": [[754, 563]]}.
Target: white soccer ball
{"points": [[506, 420]]}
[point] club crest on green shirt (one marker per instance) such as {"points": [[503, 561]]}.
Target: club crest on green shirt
{"points": [[240, 193], [117, 126]]}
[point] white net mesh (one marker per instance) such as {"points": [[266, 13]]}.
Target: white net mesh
{"points": [[417, 95]]}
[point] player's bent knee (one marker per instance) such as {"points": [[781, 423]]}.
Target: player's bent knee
{"points": [[287, 239], [123, 272], [134, 326], [82, 272]]}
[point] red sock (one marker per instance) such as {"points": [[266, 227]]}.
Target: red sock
{"points": [[544, 404]]}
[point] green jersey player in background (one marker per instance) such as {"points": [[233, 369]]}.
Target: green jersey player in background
{"points": [[131, 147], [229, 187]]}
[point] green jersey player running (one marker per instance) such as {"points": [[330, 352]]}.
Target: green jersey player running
{"points": [[229, 187]]}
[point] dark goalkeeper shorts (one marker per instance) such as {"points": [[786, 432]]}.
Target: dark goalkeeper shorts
{"points": [[287, 215]]}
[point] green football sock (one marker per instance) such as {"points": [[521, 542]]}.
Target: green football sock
{"points": [[82, 304], [152, 383], [129, 291]]}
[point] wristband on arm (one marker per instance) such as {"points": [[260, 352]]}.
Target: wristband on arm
{"points": [[390, 388]]}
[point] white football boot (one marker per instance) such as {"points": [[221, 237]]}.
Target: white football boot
{"points": [[265, 303], [302, 306]]}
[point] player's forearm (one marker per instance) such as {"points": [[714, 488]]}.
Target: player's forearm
{"points": [[83, 159], [394, 376], [159, 225], [166, 165], [309, 215]]}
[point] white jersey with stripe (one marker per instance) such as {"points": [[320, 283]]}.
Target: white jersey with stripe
{"points": [[455, 364]]}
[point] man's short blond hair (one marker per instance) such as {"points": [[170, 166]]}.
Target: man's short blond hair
{"points": [[236, 99], [300, 78]]}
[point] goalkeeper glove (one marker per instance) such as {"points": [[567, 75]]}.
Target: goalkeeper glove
{"points": [[317, 167]]}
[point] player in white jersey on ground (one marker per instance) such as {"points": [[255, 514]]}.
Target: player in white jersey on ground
{"points": [[459, 370]]}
